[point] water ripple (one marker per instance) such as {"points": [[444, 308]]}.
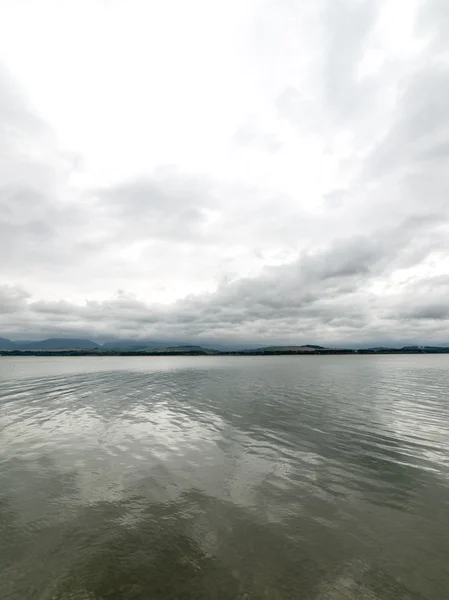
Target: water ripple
{"points": [[265, 477]]}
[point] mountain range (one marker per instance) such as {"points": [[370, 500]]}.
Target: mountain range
{"points": [[80, 345], [49, 344], [84, 344]]}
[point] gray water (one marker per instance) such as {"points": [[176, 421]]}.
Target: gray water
{"points": [[323, 478]]}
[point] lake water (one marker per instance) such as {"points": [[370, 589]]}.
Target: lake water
{"points": [[191, 478]]}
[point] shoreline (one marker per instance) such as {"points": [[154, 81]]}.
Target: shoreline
{"points": [[19, 353]]}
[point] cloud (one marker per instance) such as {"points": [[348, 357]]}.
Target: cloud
{"points": [[325, 295], [12, 299], [334, 199], [170, 206], [348, 24], [250, 135], [421, 125], [297, 193], [37, 214]]}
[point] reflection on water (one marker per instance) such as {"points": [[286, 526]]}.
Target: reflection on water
{"points": [[249, 478]]}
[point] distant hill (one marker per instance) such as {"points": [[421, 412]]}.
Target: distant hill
{"points": [[6, 344], [294, 349], [427, 348], [133, 344], [159, 347], [85, 346], [186, 349], [57, 344], [136, 344]]}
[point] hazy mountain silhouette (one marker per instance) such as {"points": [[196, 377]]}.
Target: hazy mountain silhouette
{"points": [[134, 344], [210, 347], [7, 344], [56, 344]]}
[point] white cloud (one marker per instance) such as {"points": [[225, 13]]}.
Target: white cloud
{"points": [[244, 170]]}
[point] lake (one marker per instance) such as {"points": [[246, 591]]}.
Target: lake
{"points": [[191, 478]]}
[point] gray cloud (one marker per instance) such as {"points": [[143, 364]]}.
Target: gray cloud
{"points": [[250, 135], [348, 24], [433, 21], [12, 299], [359, 258], [334, 199], [37, 217], [421, 126], [324, 296], [169, 205]]}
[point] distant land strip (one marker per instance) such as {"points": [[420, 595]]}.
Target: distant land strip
{"points": [[198, 351]]}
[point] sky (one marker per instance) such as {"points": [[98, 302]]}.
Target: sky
{"points": [[248, 170]]}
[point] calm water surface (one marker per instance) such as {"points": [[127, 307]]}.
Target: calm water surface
{"points": [[321, 478]]}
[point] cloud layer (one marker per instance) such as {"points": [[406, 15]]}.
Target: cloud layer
{"points": [[272, 173]]}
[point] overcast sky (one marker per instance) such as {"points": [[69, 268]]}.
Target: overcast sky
{"points": [[272, 170]]}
